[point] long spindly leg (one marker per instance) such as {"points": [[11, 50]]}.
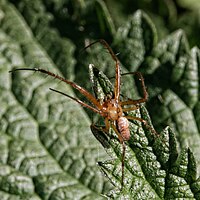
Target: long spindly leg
{"points": [[123, 152], [106, 129], [83, 91], [100, 135], [148, 126], [145, 94], [144, 122], [117, 67], [134, 107], [137, 119], [77, 100]]}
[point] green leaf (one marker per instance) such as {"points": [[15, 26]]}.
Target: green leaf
{"points": [[173, 71], [103, 14], [47, 150], [194, 4], [137, 38], [151, 161], [59, 49], [53, 154]]}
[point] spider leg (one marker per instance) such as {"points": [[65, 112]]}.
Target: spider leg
{"points": [[77, 100], [106, 129], [117, 68], [83, 91], [135, 107], [145, 94], [137, 118], [100, 135], [144, 122], [107, 125], [123, 151], [106, 45]]}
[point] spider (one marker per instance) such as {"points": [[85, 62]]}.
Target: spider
{"points": [[112, 109]]}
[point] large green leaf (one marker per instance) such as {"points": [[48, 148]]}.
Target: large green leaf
{"points": [[153, 168], [51, 151], [47, 149]]}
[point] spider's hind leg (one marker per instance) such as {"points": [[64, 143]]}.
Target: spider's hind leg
{"points": [[144, 122]]}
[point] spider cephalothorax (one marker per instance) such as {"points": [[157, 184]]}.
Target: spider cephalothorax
{"points": [[111, 109]]}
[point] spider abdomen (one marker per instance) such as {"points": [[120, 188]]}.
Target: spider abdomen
{"points": [[123, 127]]}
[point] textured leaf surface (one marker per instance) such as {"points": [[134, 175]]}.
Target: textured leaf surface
{"points": [[153, 167], [47, 149], [53, 154]]}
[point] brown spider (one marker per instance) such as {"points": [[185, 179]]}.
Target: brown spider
{"points": [[112, 109]]}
